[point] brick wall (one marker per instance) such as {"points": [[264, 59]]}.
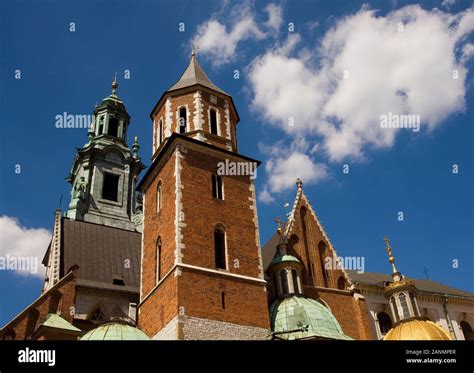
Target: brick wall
{"points": [[41, 307]]}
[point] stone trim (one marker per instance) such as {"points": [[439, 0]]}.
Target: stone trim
{"points": [[253, 207], [222, 273], [179, 214], [168, 117]]}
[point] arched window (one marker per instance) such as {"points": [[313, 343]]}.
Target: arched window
{"points": [[341, 283], [219, 247], [160, 132], [54, 300], [467, 331], [296, 285], [101, 126], [33, 316], [405, 312], [284, 282], [385, 323], [322, 256], [159, 197], [217, 187], [183, 120], [213, 121], [158, 260], [113, 127]]}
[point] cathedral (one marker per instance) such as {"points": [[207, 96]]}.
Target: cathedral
{"points": [[173, 253]]}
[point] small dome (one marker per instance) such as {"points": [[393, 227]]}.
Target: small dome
{"points": [[299, 312], [415, 330], [114, 332], [284, 258]]}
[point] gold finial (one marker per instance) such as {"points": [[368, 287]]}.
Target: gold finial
{"points": [[114, 84], [279, 229], [391, 259]]}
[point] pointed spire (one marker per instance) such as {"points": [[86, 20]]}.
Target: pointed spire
{"points": [[194, 74]]}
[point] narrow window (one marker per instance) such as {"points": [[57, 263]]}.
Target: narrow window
{"points": [[217, 186], [223, 300], [284, 282], [341, 283], [160, 132], [101, 126], [296, 285], [393, 304], [110, 186], [54, 300], [219, 247], [213, 120], [113, 127], [385, 323], [158, 260], [414, 305], [322, 255], [182, 120], [159, 198], [31, 323], [404, 312]]}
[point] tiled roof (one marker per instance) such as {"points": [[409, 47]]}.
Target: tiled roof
{"points": [[102, 253]]}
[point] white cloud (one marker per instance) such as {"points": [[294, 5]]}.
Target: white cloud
{"points": [[265, 196], [219, 42], [283, 172], [403, 72], [448, 3], [275, 18], [17, 241]]}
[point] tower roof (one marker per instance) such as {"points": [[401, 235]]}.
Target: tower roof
{"points": [[194, 74]]}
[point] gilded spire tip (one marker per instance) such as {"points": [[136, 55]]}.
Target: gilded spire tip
{"points": [[391, 258]]}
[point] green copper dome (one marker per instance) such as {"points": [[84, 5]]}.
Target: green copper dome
{"points": [[114, 332], [304, 313], [284, 258]]}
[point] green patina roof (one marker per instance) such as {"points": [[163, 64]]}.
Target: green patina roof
{"points": [[296, 312], [284, 258], [114, 332], [55, 321]]}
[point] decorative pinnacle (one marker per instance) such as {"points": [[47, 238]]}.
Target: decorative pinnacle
{"points": [[299, 183], [391, 258], [114, 85], [279, 228]]}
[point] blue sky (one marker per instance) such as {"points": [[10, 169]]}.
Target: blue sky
{"points": [[281, 73]]}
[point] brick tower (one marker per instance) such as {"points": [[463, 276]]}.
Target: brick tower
{"points": [[202, 275]]}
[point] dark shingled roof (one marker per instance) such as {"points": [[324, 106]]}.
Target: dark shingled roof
{"points": [[194, 74], [101, 253], [378, 279]]}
